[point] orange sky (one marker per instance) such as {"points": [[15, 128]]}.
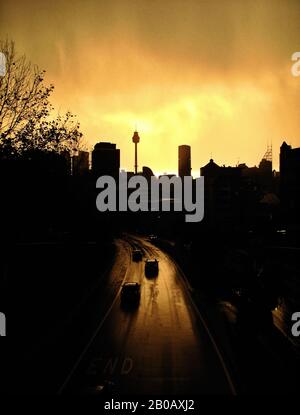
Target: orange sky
{"points": [[212, 74]]}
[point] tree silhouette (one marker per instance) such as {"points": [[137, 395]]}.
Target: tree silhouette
{"points": [[25, 111], [60, 135]]}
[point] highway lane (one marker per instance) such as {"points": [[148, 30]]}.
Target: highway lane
{"points": [[160, 347]]}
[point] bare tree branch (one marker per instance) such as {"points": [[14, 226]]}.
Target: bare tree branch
{"points": [[25, 109]]}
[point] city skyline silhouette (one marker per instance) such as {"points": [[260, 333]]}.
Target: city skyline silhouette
{"points": [[215, 76], [150, 199]]}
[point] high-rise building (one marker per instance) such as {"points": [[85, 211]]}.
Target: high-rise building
{"points": [[184, 161], [106, 160], [290, 180]]}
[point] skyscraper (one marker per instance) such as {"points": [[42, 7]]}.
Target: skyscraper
{"points": [[106, 160], [184, 160], [290, 181]]}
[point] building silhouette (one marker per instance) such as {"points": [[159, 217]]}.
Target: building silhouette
{"points": [[290, 181], [184, 161], [259, 178], [221, 191], [80, 163], [147, 172], [66, 162], [106, 160], [240, 196]]}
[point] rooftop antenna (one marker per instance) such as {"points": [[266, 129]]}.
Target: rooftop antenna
{"points": [[269, 153]]}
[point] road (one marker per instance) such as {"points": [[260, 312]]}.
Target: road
{"points": [[162, 346]]}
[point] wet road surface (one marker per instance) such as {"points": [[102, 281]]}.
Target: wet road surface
{"points": [[161, 346]]}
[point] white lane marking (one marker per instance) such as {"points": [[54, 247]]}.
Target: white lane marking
{"points": [[92, 338], [127, 366], [110, 366], [94, 366], [188, 290], [219, 354]]}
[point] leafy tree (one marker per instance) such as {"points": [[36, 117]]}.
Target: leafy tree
{"points": [[59, 135], [25, 111]]}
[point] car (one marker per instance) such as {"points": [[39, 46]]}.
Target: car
{"points": [[130, 293], [151, 266], [137, 255], [152, 238]]}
